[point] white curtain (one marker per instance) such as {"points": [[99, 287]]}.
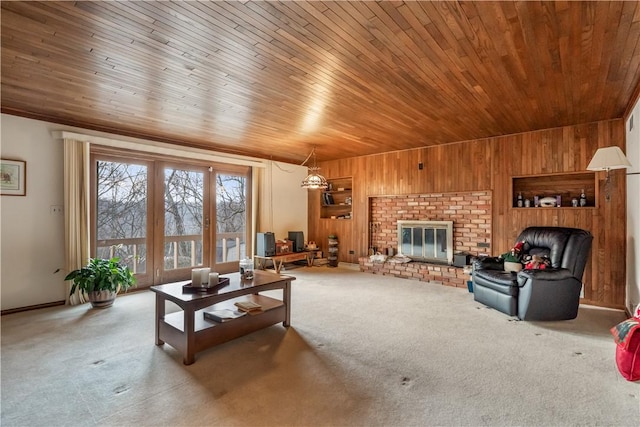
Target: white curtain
{"points": [[76, 208], [256, 203], [263, 198]]}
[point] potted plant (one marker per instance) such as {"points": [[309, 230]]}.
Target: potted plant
{"points": [[512, 259], [101, 280]]}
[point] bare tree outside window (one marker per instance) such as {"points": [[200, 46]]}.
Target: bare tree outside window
{"points": [[121, 217], [231, 217], [183, 219]]}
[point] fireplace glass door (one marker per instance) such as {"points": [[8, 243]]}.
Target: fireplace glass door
{"points": [[427, 240]]}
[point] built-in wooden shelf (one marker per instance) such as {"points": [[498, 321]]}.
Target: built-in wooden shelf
{"points": [[566, 185], [336, 201]]}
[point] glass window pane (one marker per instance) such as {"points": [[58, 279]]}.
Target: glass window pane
{"points": [[441, 247], [183, 218], [406, 241], [429, 243], [231, 217], [121, 217], [417, 241]]}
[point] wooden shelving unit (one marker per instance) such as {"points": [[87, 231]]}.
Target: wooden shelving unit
{"points": [[336, 201], [566, 185]]}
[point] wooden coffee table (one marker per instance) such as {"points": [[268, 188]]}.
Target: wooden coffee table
{"points": [[188, 330]]}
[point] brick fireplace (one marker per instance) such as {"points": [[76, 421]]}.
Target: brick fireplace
{"points": [[471, 216]]}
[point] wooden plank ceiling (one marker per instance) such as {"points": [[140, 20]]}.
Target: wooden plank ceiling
{"points": [[274, 79]]}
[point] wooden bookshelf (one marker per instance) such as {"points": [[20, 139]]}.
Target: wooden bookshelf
{"points": [[336, 201]]}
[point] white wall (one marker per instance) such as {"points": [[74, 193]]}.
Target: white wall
{"points": [[633, 209], [281, 211], [32, 247], [32, 239]]}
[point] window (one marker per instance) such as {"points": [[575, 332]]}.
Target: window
{"points": [[122, 213], [231, 217], [163, 217]]}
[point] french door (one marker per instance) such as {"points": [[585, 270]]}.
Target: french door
{"points": [[231, 230], [183, 192], [164, 218], [121, 221]]}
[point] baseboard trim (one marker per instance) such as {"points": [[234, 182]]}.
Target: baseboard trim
{"points": [[31, 307], [349, 265]]}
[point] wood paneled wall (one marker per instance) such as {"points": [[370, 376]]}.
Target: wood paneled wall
{"points": [[490, 164]]}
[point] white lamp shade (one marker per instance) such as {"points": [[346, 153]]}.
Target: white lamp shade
{"points": [[608, 158]]}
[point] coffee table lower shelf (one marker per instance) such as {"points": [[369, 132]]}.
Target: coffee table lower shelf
{"points": [[208, 333]]}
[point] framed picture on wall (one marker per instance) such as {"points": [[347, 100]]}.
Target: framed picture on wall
{"points": [[13, 177]]}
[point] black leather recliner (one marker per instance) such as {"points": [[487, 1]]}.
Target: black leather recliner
{"points": [[549, 294]]}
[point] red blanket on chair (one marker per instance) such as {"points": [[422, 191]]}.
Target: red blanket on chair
{"points": [[627, 338]]}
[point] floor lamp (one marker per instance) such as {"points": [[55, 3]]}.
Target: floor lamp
{"points": [[606, 159]]}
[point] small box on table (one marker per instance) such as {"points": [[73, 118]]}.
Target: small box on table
{"points": [[284, 247]]}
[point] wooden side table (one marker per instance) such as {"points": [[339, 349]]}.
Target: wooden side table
{"points": [[279, 260]]}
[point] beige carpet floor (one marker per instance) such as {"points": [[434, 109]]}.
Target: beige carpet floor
{"points": [[363, 350]]}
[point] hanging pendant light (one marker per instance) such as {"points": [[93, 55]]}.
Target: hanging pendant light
{"points": [[314, 180]]}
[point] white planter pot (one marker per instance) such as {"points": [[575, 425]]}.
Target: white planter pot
{"points": [[512, 266]]}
